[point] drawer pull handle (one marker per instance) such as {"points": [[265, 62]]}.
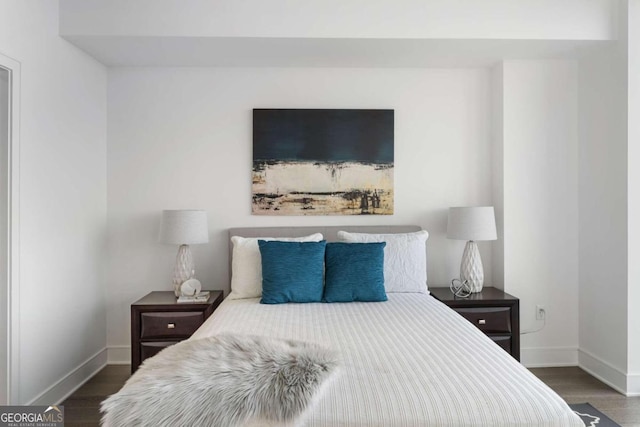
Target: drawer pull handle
{"points": [[171, 326], [482, 322]]}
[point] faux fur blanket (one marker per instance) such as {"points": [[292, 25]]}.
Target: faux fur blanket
{"points": [[223, 381]]}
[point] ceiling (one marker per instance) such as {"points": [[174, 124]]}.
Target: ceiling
{"points": [[320, 52]]}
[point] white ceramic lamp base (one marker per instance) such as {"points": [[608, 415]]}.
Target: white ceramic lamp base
{"points": [[471, 267], [184, 269]]}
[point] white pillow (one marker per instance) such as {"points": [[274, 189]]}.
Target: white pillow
{"points": [[246, 264], [405, 258]]}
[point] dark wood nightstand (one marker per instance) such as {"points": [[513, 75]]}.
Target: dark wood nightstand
{"points": [[158, 321], [494, 312]]}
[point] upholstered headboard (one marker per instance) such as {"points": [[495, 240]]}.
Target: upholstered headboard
{"points": [[330, 233]]}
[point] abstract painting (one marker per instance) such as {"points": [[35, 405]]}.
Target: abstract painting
{"points": [[322, 162]]}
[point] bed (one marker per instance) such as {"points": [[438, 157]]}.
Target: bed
{"points": [[409, 361]]}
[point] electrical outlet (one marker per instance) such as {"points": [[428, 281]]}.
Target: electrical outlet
{"points": [[540, 312]]}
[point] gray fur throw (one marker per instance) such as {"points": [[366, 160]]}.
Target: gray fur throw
{"points": [[221, 381]]}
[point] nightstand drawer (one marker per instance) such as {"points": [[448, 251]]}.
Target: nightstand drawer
{"points": [[170, 325], [503, 341], [158, 321], [493, 311], [488, 319], [150, 349]]}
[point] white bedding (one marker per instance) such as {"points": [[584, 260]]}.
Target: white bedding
{"points": [[410, 361]]}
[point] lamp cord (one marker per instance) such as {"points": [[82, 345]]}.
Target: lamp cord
{"points": [[533, 331]]}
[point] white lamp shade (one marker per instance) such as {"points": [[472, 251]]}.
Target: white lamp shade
{"points": [[472, 223], [184, 227]]}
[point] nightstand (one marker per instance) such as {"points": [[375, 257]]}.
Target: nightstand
{"points": [[494, 312], [158, 321]]}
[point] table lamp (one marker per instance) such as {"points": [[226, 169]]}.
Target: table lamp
{"points": [[472, 224], [184, 228]]}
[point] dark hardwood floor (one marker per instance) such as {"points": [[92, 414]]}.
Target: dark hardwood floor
{"points": [[576, 386], [573, 384], [82, 408]]}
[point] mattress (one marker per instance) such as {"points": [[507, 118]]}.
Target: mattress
{"points": [[409, 361]]}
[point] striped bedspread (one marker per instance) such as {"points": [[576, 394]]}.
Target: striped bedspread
{"points": [[410, 361]]}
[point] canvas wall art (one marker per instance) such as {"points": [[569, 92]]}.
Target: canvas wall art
{"points": [[322, 162]]}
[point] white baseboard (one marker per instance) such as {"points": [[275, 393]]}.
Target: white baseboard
{"points": [[627, 384], [633, 385], [65, 386], [545, 357], [119, 355]]}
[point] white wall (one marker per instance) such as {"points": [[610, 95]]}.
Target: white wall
{"points": [[633, 72], [603, 216], [4, 198], [181, 138], [540, 204], [62, 204], [445, 19], [497, 168]]}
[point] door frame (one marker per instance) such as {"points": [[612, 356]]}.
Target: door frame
{"points": [[12, 323]]}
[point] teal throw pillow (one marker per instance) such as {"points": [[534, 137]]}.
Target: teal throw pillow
{"points": [[292, 271], [354, 272]]}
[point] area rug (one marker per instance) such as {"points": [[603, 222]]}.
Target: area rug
{"points": [[591, 417]]}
